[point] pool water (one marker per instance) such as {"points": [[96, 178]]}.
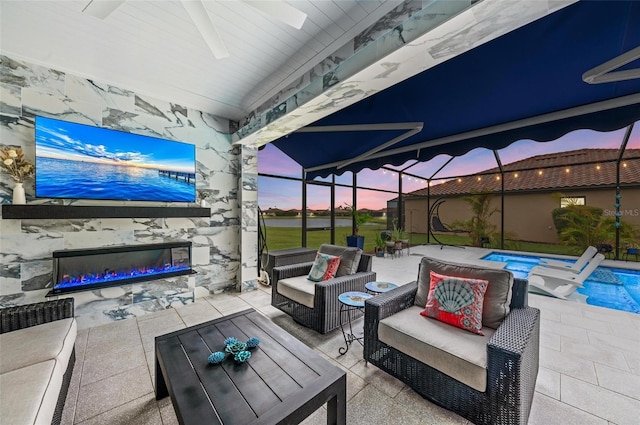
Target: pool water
{"points": [[606, 287]]}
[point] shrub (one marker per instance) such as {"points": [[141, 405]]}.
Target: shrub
{"points": [[561, 216], [479, 224], [583, 226]]}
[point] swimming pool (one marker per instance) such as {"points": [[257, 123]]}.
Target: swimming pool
{"points": [[606, 287]]}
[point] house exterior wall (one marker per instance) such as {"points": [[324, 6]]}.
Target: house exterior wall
{"points": [[27, 90], [527, 216]]}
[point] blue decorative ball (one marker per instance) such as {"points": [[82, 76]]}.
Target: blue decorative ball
{"points": [[236, 347], [617, 224], [217, 357], [253, 342], [242, 356], [230, 340]]}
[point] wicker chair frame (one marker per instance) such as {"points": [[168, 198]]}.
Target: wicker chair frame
{"points": [[24, 316], [325, 314], [512, 361]]}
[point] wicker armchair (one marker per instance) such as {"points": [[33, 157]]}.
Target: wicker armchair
{"points": [[512, 361], [28, 315], [323, 317]]}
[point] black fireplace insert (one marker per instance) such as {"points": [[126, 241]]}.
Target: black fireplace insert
{"points": [[85, 269]]}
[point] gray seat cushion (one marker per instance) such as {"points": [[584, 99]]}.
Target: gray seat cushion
{"points": [[349, 258], [25, 347], [497, 298], [299, 289], [302, 290], [455, 352], [30, 394], [32, 365]]}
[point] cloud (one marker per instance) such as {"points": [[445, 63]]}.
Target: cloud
{"points": [[58, 141]]}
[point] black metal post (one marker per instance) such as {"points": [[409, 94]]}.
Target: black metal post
{"points": [[428, 209], [400, 206], [623, 146], [333, 209], [304, 210], [354, 201], [429, 195], [495, 153]]}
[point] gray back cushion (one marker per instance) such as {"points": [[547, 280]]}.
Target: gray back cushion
{"points": [[496, 299], [349, 258]]}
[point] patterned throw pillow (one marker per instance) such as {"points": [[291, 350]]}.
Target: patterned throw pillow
{"points": [[324, 267], [457, 301]]}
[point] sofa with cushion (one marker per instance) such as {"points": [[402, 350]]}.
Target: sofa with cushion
{"points": [[461, 336], [308, 292], [37, 355]]}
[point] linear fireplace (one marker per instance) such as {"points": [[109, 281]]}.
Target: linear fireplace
{"points": [[85, 269]]}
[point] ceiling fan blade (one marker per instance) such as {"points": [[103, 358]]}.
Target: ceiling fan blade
{"points": [[101, 8], [200, 17], [281, 11]]}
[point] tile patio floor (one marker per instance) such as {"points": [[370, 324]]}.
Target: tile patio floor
{"points": [[589, 362]]}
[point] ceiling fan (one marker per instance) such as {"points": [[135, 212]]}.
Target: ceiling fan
{"points": [[201, 19]]}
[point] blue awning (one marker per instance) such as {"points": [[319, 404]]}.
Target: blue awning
{"points": [[526, 84]]}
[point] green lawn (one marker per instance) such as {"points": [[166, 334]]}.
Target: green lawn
{"points": [[291, 237]]}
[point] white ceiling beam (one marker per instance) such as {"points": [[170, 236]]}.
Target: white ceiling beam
{"points": [[201, 19], [280, 10], [101, 8]]}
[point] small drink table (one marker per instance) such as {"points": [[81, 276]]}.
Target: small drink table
{"points": [[380, 287], [350, 302]]}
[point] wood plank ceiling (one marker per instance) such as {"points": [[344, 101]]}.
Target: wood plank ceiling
{"points": [[153, 46]]}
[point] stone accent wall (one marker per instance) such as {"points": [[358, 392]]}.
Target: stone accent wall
{"points": [[249, 197], [27, 90]]}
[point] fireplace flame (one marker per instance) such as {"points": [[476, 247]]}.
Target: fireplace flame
{"points": [[111, 275], [84, 269]]}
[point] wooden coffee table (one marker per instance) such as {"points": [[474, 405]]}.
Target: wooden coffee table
{"points": [[284, 381]]}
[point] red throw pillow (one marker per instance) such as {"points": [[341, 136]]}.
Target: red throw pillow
{"points": [[324, 267], [332, 268], [457, 301]]}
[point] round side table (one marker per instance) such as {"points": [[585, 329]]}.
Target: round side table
{"points": [[380, 287], [350, 302]]}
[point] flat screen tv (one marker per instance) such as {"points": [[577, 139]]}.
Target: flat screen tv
{"points": [[76, 161]]}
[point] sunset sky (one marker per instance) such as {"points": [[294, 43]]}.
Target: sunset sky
{"points": [[287, 194]]}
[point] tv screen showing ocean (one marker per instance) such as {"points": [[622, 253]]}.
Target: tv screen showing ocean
{"points": [[59, 178]]}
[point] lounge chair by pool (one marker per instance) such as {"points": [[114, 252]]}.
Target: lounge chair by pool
{"points": [[575, 267], [546, 286], [561, 283], [566, 276]]}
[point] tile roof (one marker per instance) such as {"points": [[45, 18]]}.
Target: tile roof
{"points": [[572, 169]]}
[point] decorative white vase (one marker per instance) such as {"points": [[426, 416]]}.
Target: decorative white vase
{"points": [[19, 197], [203, 203]]}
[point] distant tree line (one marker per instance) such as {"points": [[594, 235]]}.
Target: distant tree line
{"points": [[340, 212]]}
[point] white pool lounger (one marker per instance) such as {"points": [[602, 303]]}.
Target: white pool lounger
{"points": [[575, 267], [565, 276], [561, 283]]}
